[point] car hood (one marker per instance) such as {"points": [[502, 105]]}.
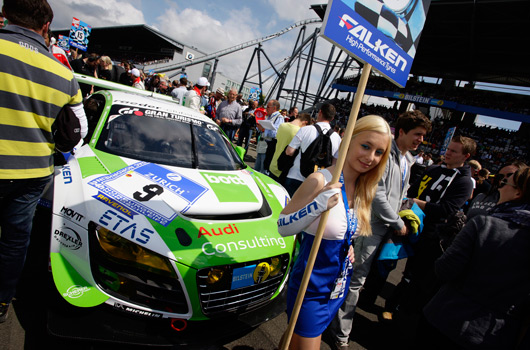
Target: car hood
{"points": [[196, 217]]}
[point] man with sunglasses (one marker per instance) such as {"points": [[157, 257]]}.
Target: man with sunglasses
{"points": [[483, 202], [440, 193]]}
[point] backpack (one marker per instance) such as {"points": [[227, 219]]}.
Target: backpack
{"points": [[66, 130], [318, 154]]}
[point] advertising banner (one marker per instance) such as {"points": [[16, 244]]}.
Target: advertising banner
{"points": [[382, 33], [79, 34], [447, 139]]}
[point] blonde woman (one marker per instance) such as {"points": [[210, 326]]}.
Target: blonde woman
{"points": [[349, 202]]}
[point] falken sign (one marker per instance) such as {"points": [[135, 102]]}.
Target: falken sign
{"points": [[382, 33]]}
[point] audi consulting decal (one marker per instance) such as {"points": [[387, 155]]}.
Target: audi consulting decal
{"points": [[210, 248], [227, 230]]}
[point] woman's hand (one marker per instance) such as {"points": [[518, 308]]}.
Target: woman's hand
{"points": [[334, 199]]}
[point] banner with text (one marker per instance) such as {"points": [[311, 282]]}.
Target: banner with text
{"points": [[382, 33], [79, 34]]}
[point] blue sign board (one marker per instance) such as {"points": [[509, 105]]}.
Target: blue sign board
{"points": [[79, 34], [255, 93], [381, 33], [62, 42], [448, 138]]}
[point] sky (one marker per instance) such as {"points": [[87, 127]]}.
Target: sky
{"points": [[212, 26], [207, 25]]}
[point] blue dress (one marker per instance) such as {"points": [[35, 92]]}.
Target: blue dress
{"points": [[321, 303]]}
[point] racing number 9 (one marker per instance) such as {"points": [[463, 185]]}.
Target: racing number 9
{"points": [[150, 191]]}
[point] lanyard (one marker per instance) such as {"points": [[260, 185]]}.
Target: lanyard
{"points": [[350, 216], [341, 281], [403, 166]]}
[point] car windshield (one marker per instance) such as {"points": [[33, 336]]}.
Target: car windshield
{"points": [[162, 137]]}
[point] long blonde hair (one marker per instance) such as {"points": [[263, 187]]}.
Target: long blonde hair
{"points": [[366, 184]]}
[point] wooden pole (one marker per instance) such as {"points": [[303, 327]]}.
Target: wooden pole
{"points": [[324, 217]]}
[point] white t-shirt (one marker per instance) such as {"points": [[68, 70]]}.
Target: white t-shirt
{"points": [[303, 139]]}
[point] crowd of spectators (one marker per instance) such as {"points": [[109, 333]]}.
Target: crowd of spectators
{"points": [[494, 146], [467, 95]]}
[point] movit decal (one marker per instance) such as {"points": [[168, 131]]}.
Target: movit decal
{"points": [[68, 238], [210, 248], [134, 311], [229, 187], [122, 225], [72, 214], [227, 230]]}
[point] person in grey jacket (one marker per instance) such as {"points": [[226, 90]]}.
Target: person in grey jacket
{"points": [[410, 129], [486, 296]]}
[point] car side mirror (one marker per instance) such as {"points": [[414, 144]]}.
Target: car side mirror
{"points": [[241, 152]]}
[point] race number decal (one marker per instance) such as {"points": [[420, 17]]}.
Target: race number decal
{"points": [[150, 190]]}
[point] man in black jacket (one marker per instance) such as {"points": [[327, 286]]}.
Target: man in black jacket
{"points": [[440, 193], [248, 125]]}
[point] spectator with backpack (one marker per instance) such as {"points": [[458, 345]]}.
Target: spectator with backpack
{"points": [[310, 141]]}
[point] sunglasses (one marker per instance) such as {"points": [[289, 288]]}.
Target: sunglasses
{"points": [[505, 182], [500, 177]]}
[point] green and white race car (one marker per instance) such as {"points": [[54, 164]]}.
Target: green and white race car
{"points": [[156, 220]]}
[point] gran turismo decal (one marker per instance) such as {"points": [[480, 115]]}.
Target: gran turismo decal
{"points": [[141, 109]]}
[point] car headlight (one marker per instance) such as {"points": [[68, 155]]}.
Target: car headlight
{"points": [[127, 252]]}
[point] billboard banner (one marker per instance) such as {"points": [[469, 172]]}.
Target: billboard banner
{"points": [[382, 33], [79, 34]]}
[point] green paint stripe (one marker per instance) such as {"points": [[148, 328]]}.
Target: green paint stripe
{"points": [[72, 286]]}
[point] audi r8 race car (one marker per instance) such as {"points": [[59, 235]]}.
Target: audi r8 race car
{"points": [[160, 231]]}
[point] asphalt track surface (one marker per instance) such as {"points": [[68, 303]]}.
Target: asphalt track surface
{"points": [[26, 329]]}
